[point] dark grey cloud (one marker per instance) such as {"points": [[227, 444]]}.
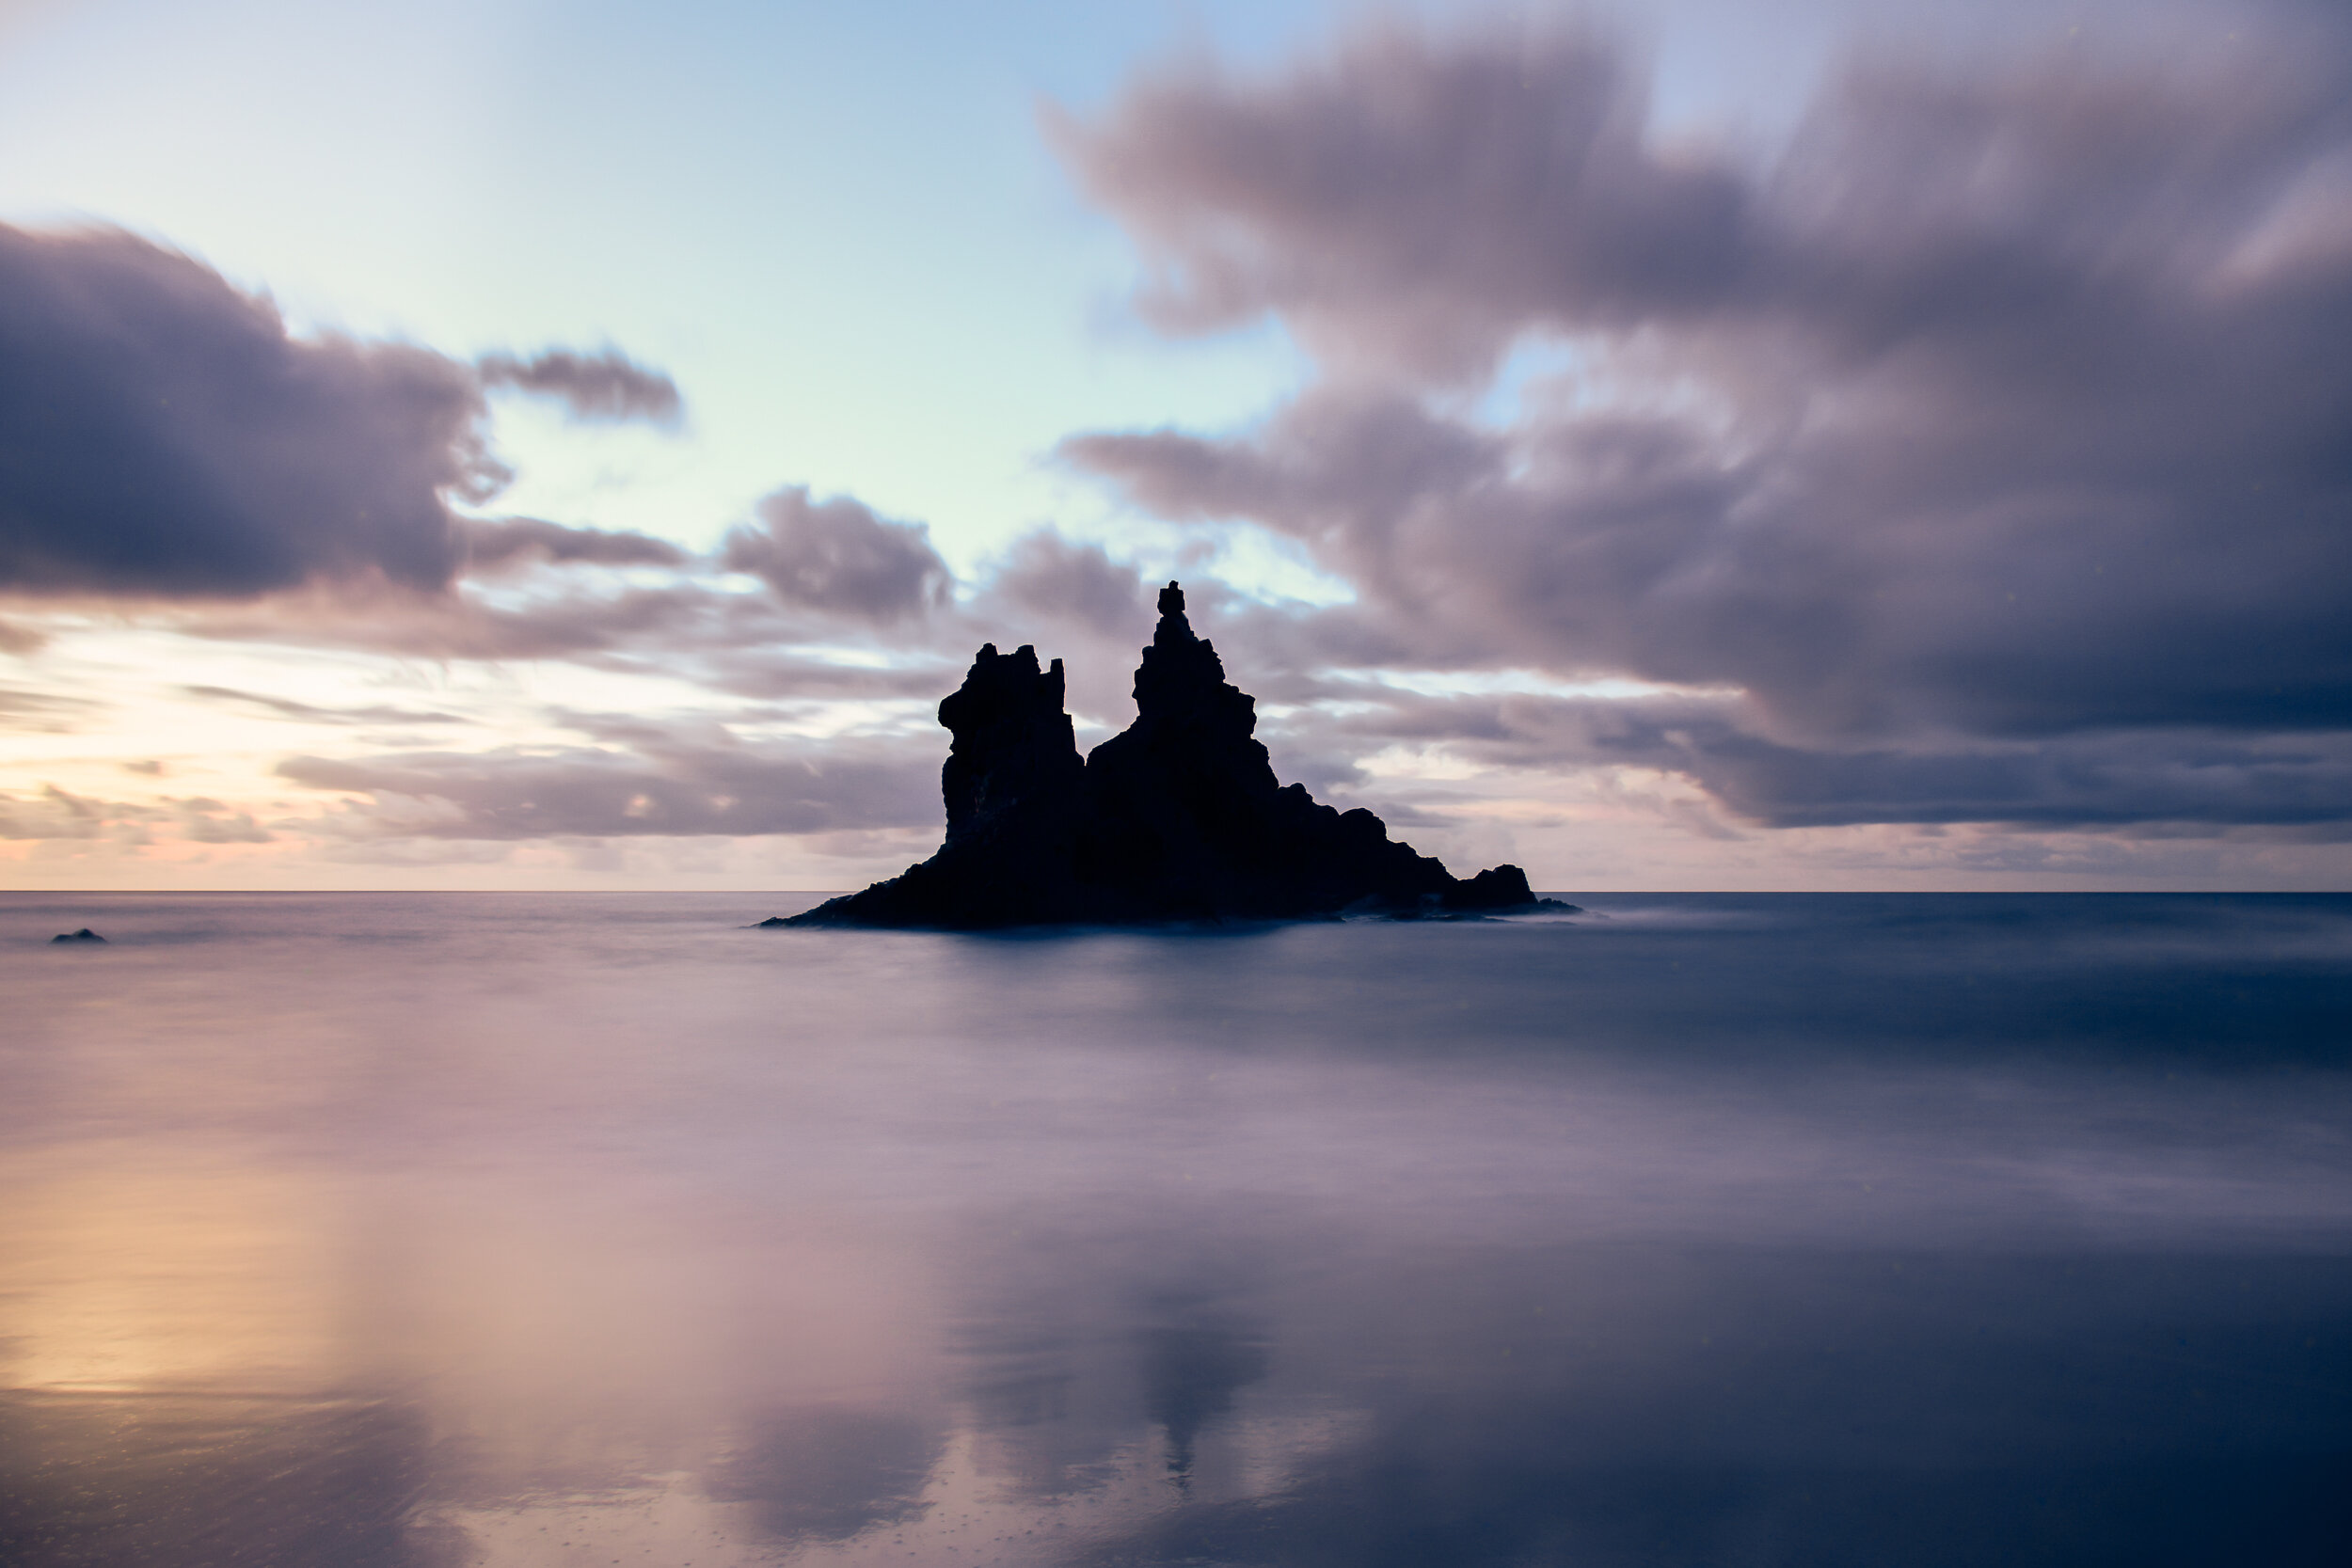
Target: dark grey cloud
{"points": [[1993, 436], [2300, 783], [837, 556], [1426, 201], [162, 434], [2297, 784], [654, 779], [605, 386]]}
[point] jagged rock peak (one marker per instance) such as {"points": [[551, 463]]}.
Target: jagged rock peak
{"points": [[1174, 630], [1177, 817], [1011, 737], [999, 685], [1181, 678]]}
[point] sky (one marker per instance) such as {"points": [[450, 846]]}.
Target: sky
{"points": [[1784, 444]]}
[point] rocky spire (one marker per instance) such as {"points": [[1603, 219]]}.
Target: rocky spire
{"points": [[1013, 741], [1181, 682], [1177, 817]]}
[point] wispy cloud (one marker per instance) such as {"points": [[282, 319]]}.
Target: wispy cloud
{"points": [[662, 782], [307, 713], [605, 386], [504, 542]]}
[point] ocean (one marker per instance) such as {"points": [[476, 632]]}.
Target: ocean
{"points": [[537, 1230]]}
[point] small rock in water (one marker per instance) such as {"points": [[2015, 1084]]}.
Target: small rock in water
{"points": [[85, 934]]}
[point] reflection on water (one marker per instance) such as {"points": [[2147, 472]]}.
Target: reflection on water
{"points": [[541, 1232]]}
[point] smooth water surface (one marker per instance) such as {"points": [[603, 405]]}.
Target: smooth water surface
{"points": [[536, 1231]]}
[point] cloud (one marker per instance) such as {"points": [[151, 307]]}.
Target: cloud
{"points": [[604, 387], [55, 813], [2299, 783], [655, 779], [507, 541], [1076, 603], [837, 556], [740, 642], [203, 820], [1046, 577], [1990, 436], [591, 621], [285, 707], [782, 673], [2214, 779], [58, 814], [162, 435], [1414, 200], [50, 711]]}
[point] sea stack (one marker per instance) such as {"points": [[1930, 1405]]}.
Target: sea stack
{"points": [[1178, 818]]}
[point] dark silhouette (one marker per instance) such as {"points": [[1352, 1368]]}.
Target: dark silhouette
{"points": [[85, 934], [1178, 818]]}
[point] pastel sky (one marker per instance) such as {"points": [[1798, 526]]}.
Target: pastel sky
{"points": [[1701, 444]]}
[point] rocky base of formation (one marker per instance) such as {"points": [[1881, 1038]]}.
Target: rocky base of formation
{"points": [[1177, 818]]}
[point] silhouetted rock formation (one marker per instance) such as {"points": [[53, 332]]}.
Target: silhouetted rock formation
{"points": [[85, 934], [1178, 818]]}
